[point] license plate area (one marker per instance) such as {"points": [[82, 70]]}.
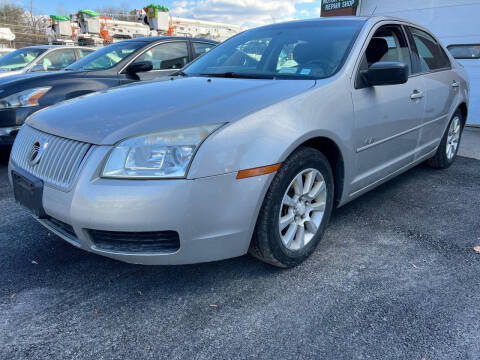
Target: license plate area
{"points": [[28, 192]]}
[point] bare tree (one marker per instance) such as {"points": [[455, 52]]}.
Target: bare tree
{"points": [[28, 28]]}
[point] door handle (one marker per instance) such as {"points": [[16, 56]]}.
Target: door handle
{"points": [[416, 95], [455, 84]]}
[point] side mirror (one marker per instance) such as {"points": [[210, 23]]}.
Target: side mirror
{"points": [[140, 66], [386, 73], [37, 68]]}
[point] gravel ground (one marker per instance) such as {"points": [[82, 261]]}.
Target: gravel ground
{"points": [[396, 277]]}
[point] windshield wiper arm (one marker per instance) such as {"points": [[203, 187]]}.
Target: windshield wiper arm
{"points": [[231, 74]]}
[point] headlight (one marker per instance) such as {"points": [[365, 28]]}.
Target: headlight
{"points": [[165, 154], [25, 98]]}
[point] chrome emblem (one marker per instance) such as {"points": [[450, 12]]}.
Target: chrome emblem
{"points": [[36, 152]]}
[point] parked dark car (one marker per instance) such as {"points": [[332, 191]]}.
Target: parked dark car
{"points": [[117, 64]]}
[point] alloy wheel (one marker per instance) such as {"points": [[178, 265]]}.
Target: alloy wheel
{"points": [[453, 137], [302, 209]]}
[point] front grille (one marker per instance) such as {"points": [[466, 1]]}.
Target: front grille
{"points": [[157, 241], [58, 162]]}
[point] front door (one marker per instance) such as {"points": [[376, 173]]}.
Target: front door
{"points": [[387, 118]]}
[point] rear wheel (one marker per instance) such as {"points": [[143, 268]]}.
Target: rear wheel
{"points": [[448, 148], [296, 210]]}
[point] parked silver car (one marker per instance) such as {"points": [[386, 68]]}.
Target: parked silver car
{"points": [[41, 58], [249, 148]]}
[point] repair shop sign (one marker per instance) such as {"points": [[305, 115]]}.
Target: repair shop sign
{"points": [[331, 5]]}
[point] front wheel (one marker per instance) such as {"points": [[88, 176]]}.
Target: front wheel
{"points": [[295, 211], [448, 148]]}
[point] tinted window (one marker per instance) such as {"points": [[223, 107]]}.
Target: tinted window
{"points": [[465, 51], [173, 55], [310, 49], [201, 48], [58, 59], [431, 55], [18, 59], [84, 52], [107, 57]]}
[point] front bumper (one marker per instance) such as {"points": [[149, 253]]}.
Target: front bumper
{"points": [[213, 216]]}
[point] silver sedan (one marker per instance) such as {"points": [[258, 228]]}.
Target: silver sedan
{"points": [[247, 149]]}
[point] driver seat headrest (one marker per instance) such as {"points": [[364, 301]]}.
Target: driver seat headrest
{"points": [[377, 48]]}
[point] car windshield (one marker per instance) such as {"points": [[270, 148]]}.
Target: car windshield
{"points": [[295, 50], [107, 57], [19, 59]]}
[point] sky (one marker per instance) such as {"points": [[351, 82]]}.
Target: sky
{"points": [[247, 13]]}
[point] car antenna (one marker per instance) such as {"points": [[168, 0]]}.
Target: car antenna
{"points": [[373, 12]]}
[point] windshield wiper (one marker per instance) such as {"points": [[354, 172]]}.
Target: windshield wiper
{"points": [[231, 74]]}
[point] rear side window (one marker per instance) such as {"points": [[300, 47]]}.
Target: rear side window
{"points": [[471, 51], [84, 52], [430, 54], [201, 48]]}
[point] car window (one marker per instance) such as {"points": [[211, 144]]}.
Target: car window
{"points": [[201, 48], [58, 59], [19, 59], [430, 54], [387, 44], [84, 52], [471, 51], [313, 50], [107, 57], [172, 55]]}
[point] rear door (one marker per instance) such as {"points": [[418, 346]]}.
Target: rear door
{"points": [[441, 84], [387, 118]]}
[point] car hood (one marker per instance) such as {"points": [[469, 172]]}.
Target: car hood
{"points": [[4, 74], [106, 117], [13, 76]]}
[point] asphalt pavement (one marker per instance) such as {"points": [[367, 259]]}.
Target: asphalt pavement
{"points": [[396, 277]]}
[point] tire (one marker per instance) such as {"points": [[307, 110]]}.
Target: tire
{"points": [[275, 246], [442, 158]]}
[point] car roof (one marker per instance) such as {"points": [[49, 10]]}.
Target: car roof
{"points": [[46, 47], [149, 39], [374, 18]]}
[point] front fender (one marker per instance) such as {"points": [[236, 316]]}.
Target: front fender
{"points": [[270, 135]]}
